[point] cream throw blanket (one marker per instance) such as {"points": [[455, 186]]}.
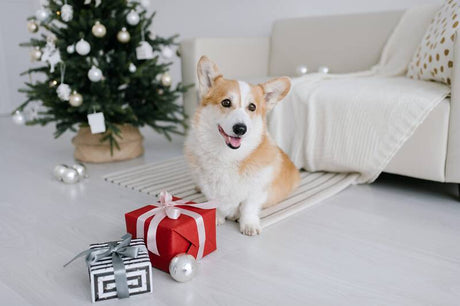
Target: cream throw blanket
{"points": [[357, 122]]}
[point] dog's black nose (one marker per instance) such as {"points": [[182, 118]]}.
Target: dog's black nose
{"points": [[239, 129]]}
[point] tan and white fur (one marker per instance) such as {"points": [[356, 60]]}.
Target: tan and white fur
{"points": [[231, 155]]}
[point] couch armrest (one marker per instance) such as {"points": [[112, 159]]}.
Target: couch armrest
{"points": [[236, 58], [453, 140]]}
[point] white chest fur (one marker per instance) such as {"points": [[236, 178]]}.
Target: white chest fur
{"points": [[222, 181]]}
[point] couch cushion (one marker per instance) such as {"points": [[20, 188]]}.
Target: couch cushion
{"points": [[433, 60], [344, 43]]}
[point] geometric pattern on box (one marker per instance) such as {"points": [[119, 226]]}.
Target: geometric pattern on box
{"points": [[434, 57], [173, 175], [138, 272]]}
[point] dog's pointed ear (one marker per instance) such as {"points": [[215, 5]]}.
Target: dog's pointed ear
{"points": [[275, 90], [207, 72]]}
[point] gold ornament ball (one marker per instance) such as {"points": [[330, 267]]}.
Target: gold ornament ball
{"points": [[166, 80], [75, 99], [123, 36], [53, 83], [99, 29], [35, 54], [32, 26]]}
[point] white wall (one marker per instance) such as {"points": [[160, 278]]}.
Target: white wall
{"points": [[211, 18], [204, 18], [13, 59]]}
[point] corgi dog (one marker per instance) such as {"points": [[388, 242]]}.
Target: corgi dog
{"points": [[229, 151]]}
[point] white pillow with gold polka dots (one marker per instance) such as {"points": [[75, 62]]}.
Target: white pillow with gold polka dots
{"points": [[434, 58]]}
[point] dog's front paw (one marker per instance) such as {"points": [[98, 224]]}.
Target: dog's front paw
{"points": [[250, 227], [219, 219]]}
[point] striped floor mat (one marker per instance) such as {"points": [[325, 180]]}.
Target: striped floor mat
{"points": [[173, 175]]}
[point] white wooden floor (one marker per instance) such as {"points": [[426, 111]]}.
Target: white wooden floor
{"points": [[395, 242]]}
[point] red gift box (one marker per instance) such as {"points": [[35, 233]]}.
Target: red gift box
{"points": [[174, 236]]}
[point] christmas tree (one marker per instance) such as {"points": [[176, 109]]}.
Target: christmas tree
{"points": [[100, 57]]}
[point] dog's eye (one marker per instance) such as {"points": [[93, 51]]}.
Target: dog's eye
{"points": [[226, 103], [252, 107]]}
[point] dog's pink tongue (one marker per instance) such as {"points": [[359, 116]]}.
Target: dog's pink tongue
{"points": [[234, 141]]}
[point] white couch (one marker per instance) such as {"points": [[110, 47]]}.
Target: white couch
{"points": [[344, 43]]}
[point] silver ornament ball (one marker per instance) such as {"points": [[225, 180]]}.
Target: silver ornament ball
{"points": [[167, 52], [41, 14], [132, 68], [70, 49], [132, 18], [35, 54], [166, 79], [18, 118], [32, 26], [59, 170], [98, 29], [81, 169], [83, 47], [183, 267], [323, 69], [145, 3], [70, 176], [123, 36], [75, 99], [301, 70], [95, 74]]}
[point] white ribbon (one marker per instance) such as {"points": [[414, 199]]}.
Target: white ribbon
{"points": [[168, 208]]}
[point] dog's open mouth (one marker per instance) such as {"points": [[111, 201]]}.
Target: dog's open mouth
{"points": [[232, 142]]}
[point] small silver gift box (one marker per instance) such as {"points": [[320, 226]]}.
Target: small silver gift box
{"points": [[138, 273]]}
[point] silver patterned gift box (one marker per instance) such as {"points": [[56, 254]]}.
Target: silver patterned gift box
{"points": [[102, 276]]}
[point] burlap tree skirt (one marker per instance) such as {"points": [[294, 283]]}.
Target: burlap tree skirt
{"points": [[90, 149]]}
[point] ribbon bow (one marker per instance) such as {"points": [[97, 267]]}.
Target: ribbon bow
{"points": [[169, 208], [117, 250]]}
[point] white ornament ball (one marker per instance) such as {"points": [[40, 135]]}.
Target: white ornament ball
{"points": [[132, 18], [132, 68], [81, 169], [35, 54], [32, 26], [42, 14], [123, 36], [167, 52], [83, 47], [66, 12], [71, 49], [301, 70], [59, 170], [63, 92], [70, 176], [183, 267], [323, 69], [166, 79], [18, 118], [145, 3], [99, 29], [75, 99], [94, 74]]}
